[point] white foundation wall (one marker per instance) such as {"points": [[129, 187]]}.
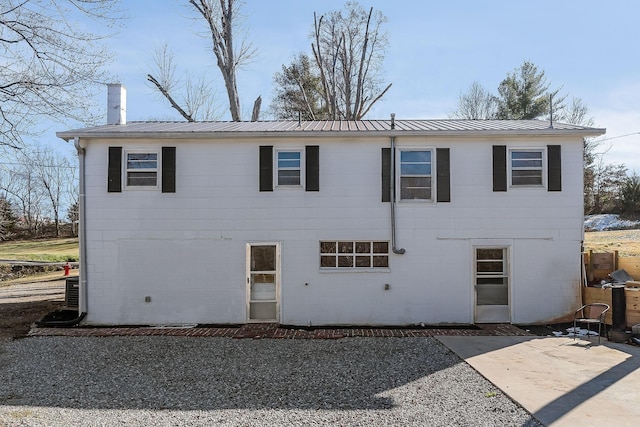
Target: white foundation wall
{"points": [[175, 258]]}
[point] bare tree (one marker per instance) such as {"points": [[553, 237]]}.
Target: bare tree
{"points": [[222, 19], [603, 186], [40, 186], [49, 66], [575, 113], [21, 187], [476, 104], [54, 173], [192, 97], [349, 49]]}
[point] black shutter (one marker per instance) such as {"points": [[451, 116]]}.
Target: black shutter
{"points": [[386, 174], [114, 171], [312, 170], [168, 169], [266, 168], [554, 168], [499, 168], [443, 175]]}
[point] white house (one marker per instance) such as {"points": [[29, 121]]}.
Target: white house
{"points": [[375, 222]]}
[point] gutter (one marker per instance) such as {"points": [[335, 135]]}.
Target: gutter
{"points": [[82, 233], [204, 134]]}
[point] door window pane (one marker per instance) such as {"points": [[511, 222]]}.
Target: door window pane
{"points": [[263, 287], [262, 311], [263, 258]]}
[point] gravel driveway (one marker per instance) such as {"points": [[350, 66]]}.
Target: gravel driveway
{"points": [[162, 381]]}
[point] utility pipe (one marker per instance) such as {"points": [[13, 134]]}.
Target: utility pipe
{"points": [[393, 193], [82, 232]]}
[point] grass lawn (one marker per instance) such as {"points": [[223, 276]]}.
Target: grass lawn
{"points": [[48, 250], [626, 242]]}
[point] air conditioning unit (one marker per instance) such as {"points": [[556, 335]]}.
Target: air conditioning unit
{"points": [[72, 292]]}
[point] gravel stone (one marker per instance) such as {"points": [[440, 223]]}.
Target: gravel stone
{"points": [[172, 381]]}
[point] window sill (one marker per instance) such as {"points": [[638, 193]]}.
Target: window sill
{"points": [[289, 187], [141, 188], [429, 202], [530, 187]]}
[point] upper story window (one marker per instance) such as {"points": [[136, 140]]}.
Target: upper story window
{"points": [[415, 174], [141, 169], [527, 168], [289, 168]]}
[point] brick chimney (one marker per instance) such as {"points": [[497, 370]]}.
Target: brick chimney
{"points": [[116, 104]]}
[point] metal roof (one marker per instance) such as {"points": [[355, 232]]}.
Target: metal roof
{"points": [[328, 128]]}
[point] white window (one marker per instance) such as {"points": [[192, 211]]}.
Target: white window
{"points": [[415, 178], [527, 168], [289, 168], [141, 169], [354, 254]]}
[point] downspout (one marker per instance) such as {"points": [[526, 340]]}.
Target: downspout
{"points": [[393, 191], [82, 295]]}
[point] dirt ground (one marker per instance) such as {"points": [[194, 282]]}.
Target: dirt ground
{"points": [[23, 304]]}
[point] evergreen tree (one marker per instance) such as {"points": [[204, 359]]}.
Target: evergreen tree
{"points": [[7, 219], [524, 94], [298, 91]]}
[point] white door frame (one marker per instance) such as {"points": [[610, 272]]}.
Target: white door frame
{"points": [[492, 313], [249, 282]]}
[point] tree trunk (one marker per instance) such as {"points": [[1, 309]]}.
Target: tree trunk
{"points": [[256, 109], [222, 39]]}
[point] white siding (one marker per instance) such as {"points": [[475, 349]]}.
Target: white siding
{"points": [[186, 250]]}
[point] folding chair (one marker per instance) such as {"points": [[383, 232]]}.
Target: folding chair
{"points": [[591, 314]]}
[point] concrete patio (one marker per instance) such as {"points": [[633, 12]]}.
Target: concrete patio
{"points": [[560, 381]]}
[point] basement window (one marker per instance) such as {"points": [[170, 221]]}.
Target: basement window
{"points": [[354, 254]]}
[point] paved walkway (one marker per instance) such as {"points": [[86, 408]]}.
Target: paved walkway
{"points": [[560, 381], [275, 331]]}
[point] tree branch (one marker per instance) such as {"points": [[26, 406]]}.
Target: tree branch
{"points": [[170, 99]]}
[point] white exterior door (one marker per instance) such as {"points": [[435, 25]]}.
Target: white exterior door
{"points": [[491, 285], [263, 282]]}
